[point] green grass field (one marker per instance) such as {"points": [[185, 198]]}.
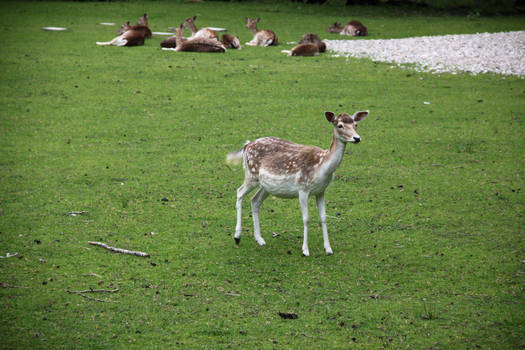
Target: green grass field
{"points": [[426, 213]]}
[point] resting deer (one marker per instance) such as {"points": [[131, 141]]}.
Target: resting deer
{"points": [[133, 36], [230, 41], [285, 169], [309, 45], [260, 38], [352, 28], [199, 44], [313, 39], [143, 21], [306, 49], [195, 33]]}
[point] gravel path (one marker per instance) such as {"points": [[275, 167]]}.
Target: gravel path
{"points": [[502, 53]]}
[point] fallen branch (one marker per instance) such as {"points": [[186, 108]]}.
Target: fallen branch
{"points": [[94, 291], [81, 293], [119, 250], [5, 285]]}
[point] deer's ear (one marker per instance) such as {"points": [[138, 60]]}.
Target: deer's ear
{"points": [[358, 116], [257, 20], [194, 18], [330, 116]]}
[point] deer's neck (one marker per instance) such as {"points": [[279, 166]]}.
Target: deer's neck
{"points": [[254, 30], [178, 38], [193, 28], [334, 154]]}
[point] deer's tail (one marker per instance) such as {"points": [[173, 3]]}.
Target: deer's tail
{"points": [[236, 157]]}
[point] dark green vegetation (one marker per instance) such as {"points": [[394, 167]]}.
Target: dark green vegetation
{"points": [[427, 211]]}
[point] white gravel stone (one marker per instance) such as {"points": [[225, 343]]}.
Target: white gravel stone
{"points": [[502, 53]]}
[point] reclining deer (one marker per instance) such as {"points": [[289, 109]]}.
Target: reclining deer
{"points": [[199, 44], [352, 28], [131, 35], [285, 169], [260, 37], [309, 45], [189, 23]]}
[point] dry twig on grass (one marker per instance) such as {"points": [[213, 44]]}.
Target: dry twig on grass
{"points": [[119, 250], [81, 293]]}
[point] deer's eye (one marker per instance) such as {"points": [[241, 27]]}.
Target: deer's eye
{"points": [[340, 126]]}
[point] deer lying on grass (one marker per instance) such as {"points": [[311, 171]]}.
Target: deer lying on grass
{"points": [[309, 45], [352, 28], [260, 37], [285, 169], [143, 21], [313, 39], [306, 49], [195, 33], [199, 44], [133, 36], [230, 41]]}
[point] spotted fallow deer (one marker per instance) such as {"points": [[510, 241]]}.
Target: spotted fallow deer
{"points": [[133, 36], [189, 23], [285, 169], [352, 28], [312, 38], [143, 21], [260, 37], [199, 44], [230, 41]]}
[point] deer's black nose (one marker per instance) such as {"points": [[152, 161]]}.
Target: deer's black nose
{"points": [[357, 139]]}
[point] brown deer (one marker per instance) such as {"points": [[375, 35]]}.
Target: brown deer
{"points": [[352, 28], [143, 21], [260, 38], [285, 169], [203, 33], [199, 44], [306, 49], [133, 36], [313, 39], [230, 41]]}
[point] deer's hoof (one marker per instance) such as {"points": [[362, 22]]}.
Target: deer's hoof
{"points": [[306, 253], [237, 240], [329, 251]]}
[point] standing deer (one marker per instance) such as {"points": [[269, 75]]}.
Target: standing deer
{"points": [[199, 44], [203, 33], [285, 169], [352, 28], [260, 38]]}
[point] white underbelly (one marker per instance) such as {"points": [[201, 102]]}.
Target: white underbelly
{"points": [[288, 186], [279, 185]]}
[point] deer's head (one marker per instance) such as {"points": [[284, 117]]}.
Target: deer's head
{"points": [[345, 125], [143, 21], [189, 22], [252, 23], [124, 28], [335, 28]]}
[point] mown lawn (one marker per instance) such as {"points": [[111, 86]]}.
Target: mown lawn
{"points": [[426, 213]]}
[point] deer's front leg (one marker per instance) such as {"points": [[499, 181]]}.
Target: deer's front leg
{"points": [[303, 201], [322, 216]]}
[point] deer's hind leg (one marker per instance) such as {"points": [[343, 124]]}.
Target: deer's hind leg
{"points": [[257, 200], [248, 185]]}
